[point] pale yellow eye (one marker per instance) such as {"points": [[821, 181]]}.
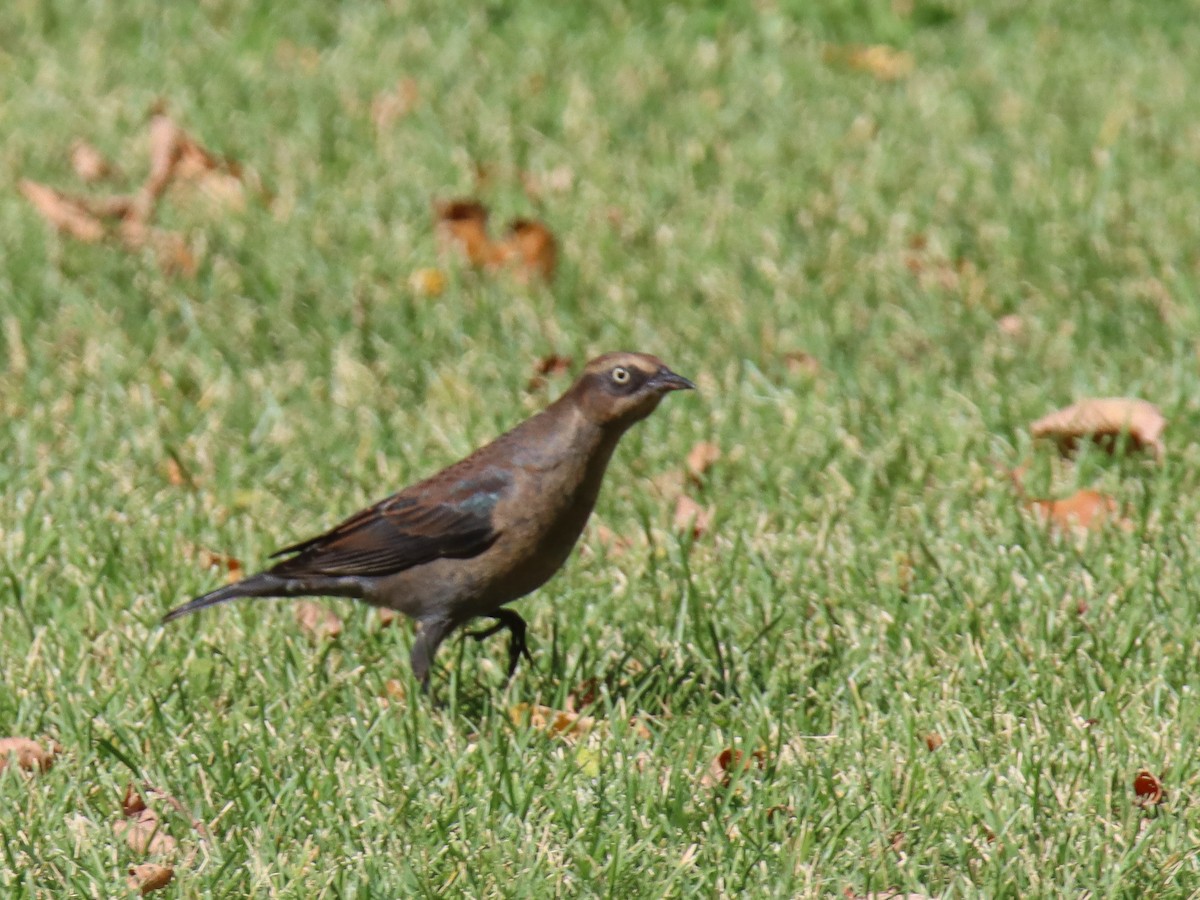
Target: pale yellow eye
{"points": [[620, 375]]}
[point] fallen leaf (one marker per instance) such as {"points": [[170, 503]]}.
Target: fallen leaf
{"points": [[461, 226], [391, 106], [89, 163], [1147, 789], [560, 723], [68, 215], [144, 834], [393, 690], [317, 621], [780, 811], [1104, 420], [133, 802], [149, 877], [28, 754], [1082, 510], [428, 282], [933, 741], [230, 565], [584, 694], [701, 458], [692, 518], [879, 60], [531, 247], [730, 762], [613, 543], [177, 156], [548, 366], [387, 617]]}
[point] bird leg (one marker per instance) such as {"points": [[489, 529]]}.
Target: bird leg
{"points": [[507, 619], [429, 638]]}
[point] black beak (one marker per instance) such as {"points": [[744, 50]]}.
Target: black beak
{"points": [[665, 380]]}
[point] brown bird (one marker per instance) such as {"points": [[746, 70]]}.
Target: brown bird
{"points": [[485, 531]]}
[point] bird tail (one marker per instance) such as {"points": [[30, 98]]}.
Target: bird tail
{"points": [[262, 585]]}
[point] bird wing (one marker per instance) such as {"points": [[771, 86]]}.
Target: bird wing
{"points": [[418, 525]]}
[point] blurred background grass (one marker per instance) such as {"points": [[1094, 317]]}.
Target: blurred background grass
{"points": [[727, 190]]}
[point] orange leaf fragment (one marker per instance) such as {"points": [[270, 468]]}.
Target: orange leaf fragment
{"points": [[1147, 789], [386, 617], [883, 62], [393, 690], [89, 163], [317, 621], [530, 245], [461, 226], [28, 754], [691, 517], [701, 458], [231, 566], [548, 366], [933, 741], [149, 877], [1104, 420], [1084, 509], [66, 214], [133, 802], [143, 833], [557, 722], [730, 762]]}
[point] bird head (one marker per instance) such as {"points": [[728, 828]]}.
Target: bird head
{"points": [[618, 389]]}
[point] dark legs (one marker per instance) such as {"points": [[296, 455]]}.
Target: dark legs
{"points": [[506, 618], [425, 645], [434, 631]]}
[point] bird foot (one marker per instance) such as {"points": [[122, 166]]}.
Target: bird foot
{"points": [[517, 647]]}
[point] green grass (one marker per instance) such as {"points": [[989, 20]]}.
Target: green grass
{"points": [[870, 577]]}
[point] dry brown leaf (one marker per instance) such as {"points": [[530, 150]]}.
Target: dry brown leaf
{"points": [[317, 621], [583, 694], [177, 156], [28, 754], [558, 722], [461, 227], [691, 517], [386, 617], [614, 544], [881, 61], [531, 247], [230, 565], [67, 214], [144, 834], [1084, 510], [393, 690], [701, 458], [88, 162], [149, 877], [1147, 789], [1104, 420], [933, 741], [133, 802], [730, 762], [391, 106], [546, 367]]}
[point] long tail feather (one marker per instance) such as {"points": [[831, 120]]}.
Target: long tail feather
{"points": [[263, 585]]}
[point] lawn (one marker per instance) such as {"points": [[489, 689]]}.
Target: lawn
{"points": [[879, 266]]}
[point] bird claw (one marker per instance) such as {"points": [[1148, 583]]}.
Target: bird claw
{"points": [[517, 647]]}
